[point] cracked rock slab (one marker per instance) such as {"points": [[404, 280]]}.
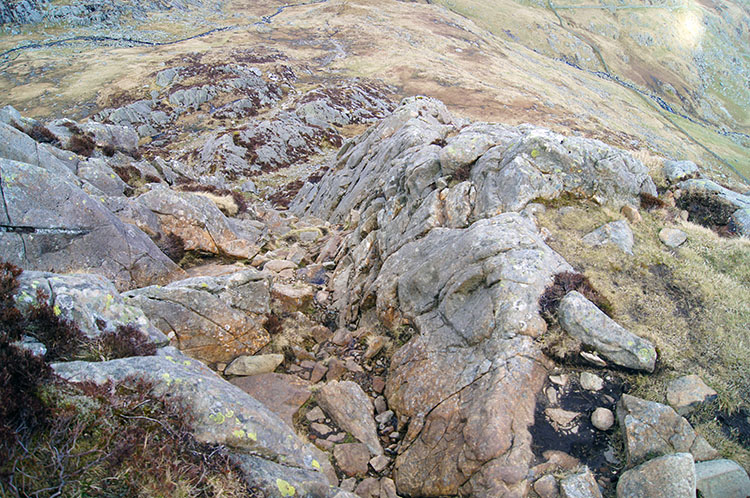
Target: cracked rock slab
{"points": [[348, 405], [53, 225], [214, 319], [651, 428], [670, 475]]}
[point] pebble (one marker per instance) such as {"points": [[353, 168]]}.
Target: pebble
{"points": [[602, 419], [591, 382]]}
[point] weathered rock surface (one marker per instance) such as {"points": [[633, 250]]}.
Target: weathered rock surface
{"points": [[582, 485], [616, 232], [511, 166], [91, 301], [583, 320], [196, 220], [348, 405], [53, 225], [686, 393], [650, 428], [722, 479], [214, 319], [281, 393], [224, 415], [352, 458], [670, 475]]}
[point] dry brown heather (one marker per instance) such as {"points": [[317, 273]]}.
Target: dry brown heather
{"points": [[496, 61]]}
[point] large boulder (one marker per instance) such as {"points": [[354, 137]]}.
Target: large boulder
{"points": [[214, 319], [583, 320], [195, 220], [352, 410], [669, 475], [224, 414], [51, 224], [652, 429]]}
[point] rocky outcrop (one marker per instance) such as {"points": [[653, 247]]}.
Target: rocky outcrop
{"points": [[224, 414], [51, 224], [214, 319], [617, 233], [583, 320], [423, 193], [91, 301], [194, 220]]}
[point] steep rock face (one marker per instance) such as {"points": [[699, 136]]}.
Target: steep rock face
{"points": [[440, 241], [51, 224]]}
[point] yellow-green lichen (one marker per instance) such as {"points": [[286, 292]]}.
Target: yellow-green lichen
{"points": [[285, 488]]}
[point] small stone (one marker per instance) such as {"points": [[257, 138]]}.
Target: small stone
{"points": [[379, 463], [254, 365], [616, 232], [291, 297], [672, 237], [352, 458], [722, 479], [336, 369], [591, 382], [315, 415], [602, 419], [631, 213], [582, 485], [368, 488], [339, 437], [561, 418], [560, 380], [342, 337], [353, 366], [380, 404], [395, 435], [348, 484], [321, 297], [387, 488], [593, 358], [321, 429], [687, 393], [384, 417], [378, 384], [318, 372], [374, 345], [278, 265], [546, 487], [321, 333], [552, 397], [286, 274], [323, 444], [676, 171]]}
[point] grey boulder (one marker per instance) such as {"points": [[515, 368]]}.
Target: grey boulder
{"points": [[583, 320], [670, 475], [617, 233], [650, 428], [722, 479]]}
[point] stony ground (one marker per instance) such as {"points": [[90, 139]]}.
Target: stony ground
{"points": [[383, 295]]}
